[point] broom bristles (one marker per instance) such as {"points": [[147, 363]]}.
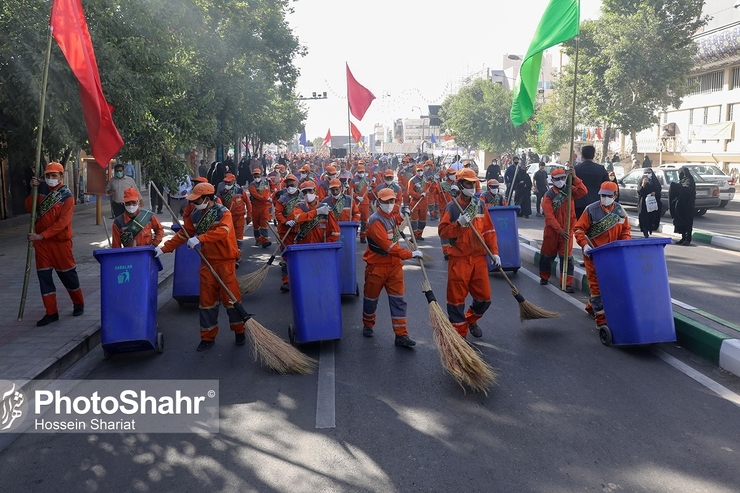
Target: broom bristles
{"points": [[457, 356], [528, 311], [276, 354], [251, 282]]}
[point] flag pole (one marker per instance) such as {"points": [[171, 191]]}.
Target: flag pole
{"points": [[349, 132], [35, 190], [566, 251]]}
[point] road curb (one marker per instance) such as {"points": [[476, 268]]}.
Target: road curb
{"points": [[701, 339], [698, 235]]}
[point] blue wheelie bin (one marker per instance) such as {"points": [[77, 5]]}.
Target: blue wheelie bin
{"points": [[186, 280], [347, 258], [128, 299], [633, 280], [313, 269], [507, 235]]}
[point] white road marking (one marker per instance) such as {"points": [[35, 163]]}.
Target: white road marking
{"points": [[325, 395]]}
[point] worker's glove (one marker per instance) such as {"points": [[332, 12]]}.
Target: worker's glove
{"points": [[269, 199], [496, 260], [323, 210], [290, 223], [405, 210], [417, 254], [586, 249], [193, 242], [158, 252], [423, 194], [463, 220]]}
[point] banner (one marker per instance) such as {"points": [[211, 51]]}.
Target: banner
{"points": [[712, 131]]}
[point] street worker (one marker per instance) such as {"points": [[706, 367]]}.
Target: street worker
{"points": [[361, 190], [52, 241], [418, 189], [314, 222], [556, 234], [136, 226], [384, 268], [602, 222], [286, 200], [305, 173], [330, 173], [236, 199], [467, 271], [189, 207], [448, 190], [466, 164], [210, 226], [434, 190], [259, 193], [342, 206], [492, 196], [389, 182], [405, 174], [115, 188]]}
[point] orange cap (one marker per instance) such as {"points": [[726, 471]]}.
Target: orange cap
{"points": [[130, 195], [201, 189], [360, 167], [608, 188], [54, 167], [466, 174], [257, 171], [429, 161], [557, 172], [389, 172], [492, 182], [308, 184], [306, 168], [386, 194], [419, 167], [290, 177], [451, 171], [330, 169], [335, 183], [200, 179], [229, 177]]}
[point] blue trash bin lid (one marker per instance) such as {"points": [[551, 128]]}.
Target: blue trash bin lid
{"points": [[503, 207], [632, 243], [313, 246], [118, 251], [349, 224]]}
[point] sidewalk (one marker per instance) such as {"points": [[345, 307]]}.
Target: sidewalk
{"points": [[28, 352]]}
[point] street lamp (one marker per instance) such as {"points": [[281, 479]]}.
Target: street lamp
{"points": [[423, 126], [314, 95], [513, 57]]}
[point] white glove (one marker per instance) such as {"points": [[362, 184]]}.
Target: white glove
{"points": [[358, 198], [290, 223], [496, 260], [158, 252], [586, 249], [323, 210], [423, 194], [463, 220], [270, 199], [455, 188], [193, 242], [417, 254]]}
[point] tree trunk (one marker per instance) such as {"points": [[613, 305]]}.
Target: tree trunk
{"points": [[633, 161], [605, 144]]}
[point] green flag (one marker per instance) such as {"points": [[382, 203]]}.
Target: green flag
{"points": [[560, 22]]}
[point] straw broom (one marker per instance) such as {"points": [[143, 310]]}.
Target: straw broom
{"points": [[251, 282], [527, 311], [458, 357], [272, 352]]}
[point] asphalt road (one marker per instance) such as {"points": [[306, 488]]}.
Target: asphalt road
{"points": [[567, 414]]}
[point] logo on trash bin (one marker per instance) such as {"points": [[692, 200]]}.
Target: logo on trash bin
{"points": [[124, 277], [13, 406]]}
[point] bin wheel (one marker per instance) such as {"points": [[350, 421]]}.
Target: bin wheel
{"points": [[160, 342], [357, 290], [514, 271], [106, 355], [181, 303], [291, 334], [605, 335]]}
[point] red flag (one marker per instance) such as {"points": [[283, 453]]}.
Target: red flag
{"points": [[70, 31], [358, 96], [356, 134], [327, 139]]}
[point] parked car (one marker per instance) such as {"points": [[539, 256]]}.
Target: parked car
{"points": [[707, 194], [712, 174], [534, 167]]}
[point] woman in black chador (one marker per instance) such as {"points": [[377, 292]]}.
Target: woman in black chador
{"points": [[682, 196], [649, 186]]}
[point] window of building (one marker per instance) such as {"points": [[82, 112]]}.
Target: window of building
{"points": [[706, 115], [691, 116], [707, 83], [735, 77]]}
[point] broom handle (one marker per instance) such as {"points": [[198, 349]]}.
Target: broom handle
{"points": [[281, 240], [105, 226], [416, 247], [483, 242], [208, 264]]}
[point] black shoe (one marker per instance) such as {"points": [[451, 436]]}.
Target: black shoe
{"points": [[285, 287], [266, 244], [160, 212], [47, 320], [241, 339], [475, 330], [404, 341], [205, 345], [419, 238], [569, 289], [679, 242], [543, 282], [646, 235], [237, 263], [78, 310], [447, 257], [368, 332], [363, 240]]}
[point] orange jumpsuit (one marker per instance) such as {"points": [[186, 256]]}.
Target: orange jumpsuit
{"points": [[190, 207], [467, 271], [444, 197], [284, 205], [238, 203], [418, 203], [555, 208], [151, 234], [54, 223], [215, 230], [361, 190], [393, 186], [403, 182], [384, 269], [313, 228], [601, 225], [346, 210], [261, 203]]}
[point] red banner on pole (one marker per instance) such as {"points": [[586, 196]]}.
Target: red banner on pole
{"points": [[356, 134], [359, 96]]}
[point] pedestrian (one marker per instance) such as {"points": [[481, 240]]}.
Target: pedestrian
{"points": [[456, 164], [540, 187], [649, 208], [558, 229], [389, 182], [493, 172], [130, 171], [154, 197], [511, 170], [492, 197], [202, 169], [448, 190], [592, 175], [342, 206], [236, 199], [177, 199], [285, 201], [315, 222], [467, 271], [361, 190], [384, 268], [211, 227], [229, 165], [523, 192], [602, 222], [216, 173], [613, 179], [244, 173], [682, 199], [136, 226], [52, 242], [646, 162], [417, 191], [330, 173], [259, 193], [115, 188]]}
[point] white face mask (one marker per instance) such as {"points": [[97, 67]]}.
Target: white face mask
{"points": [[202, 206], [389, 181], [387, 208], [228, 187], [494, 190], [361, 175], [257, 179], [132, 208], [419, 173], [304, 176], [469, 192], [310, 197], [607, 201], [330, 177], [336, 195], [559, 183], [292, 190], [52, 182]]}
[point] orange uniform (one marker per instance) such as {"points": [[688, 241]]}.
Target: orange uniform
{"points": [[344, 208], [259, 193], [361, 190], [151, 233], [601, 225], [284, 205], [236, 199], [313, 227], [417, 191], [467, 271]]}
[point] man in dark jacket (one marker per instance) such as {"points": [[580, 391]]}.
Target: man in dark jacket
{"points": [[540, 186], [592, 175], [493, 172], [244, 173]]}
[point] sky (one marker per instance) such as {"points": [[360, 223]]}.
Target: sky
{"points": [[408, 53]]}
